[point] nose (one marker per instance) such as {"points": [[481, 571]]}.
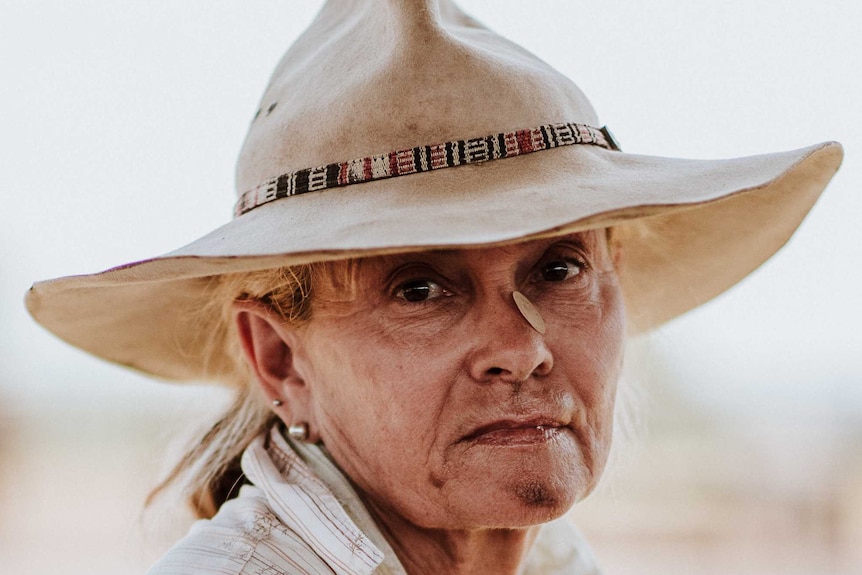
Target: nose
{"points": [[507, 348]]}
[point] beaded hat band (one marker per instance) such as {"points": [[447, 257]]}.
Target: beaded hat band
{"points": [[423, 159]]}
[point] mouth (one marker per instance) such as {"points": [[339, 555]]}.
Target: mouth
{"points": [[509, 432]]}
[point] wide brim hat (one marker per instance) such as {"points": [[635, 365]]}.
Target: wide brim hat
{"points": [[393, 126]]}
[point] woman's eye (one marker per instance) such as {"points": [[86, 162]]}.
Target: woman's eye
{"points": [[420, 290], [558, 271]]}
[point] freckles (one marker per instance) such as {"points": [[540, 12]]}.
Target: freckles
{"points": [[579, 312], [410, 336], [587, 314], [606, 331]]}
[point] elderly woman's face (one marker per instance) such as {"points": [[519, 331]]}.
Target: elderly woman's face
{"points": [[441, 402]]}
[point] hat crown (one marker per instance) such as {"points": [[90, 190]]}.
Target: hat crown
{"points": [[373, 76]]}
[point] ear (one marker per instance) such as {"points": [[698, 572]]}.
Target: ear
{"points": [[268, 344]]}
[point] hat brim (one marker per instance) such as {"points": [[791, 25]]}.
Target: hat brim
{"points": [[707, 224]]}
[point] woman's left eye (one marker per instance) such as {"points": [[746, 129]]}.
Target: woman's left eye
{"points": [[420, 290], [559, 270]]}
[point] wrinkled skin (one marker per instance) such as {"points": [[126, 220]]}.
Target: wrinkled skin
{"points": [[460, 425]]}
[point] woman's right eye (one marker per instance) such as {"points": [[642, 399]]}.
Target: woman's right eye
{"points": [[420, 290]]}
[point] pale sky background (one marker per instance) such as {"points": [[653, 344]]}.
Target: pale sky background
{"points": [[120, 123]]}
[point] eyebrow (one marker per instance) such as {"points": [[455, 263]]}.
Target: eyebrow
{"points": [[578, 239], [585, 240]]}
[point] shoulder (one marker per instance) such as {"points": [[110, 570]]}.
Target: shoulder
{"points": [[244, 538]]}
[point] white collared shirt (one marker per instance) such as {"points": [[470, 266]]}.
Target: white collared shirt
{"points": [[300, 516]]}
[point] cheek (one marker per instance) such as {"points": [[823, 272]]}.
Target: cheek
{"points": [[589, 350], [610, 339], [589, 333], [377, 401]]}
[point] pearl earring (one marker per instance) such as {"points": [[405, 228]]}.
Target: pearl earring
{"points": [[298, 431]]}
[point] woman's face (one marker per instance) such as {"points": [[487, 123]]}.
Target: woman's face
{"points": [[441, 402]]}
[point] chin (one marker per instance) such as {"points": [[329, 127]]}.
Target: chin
{"points": [[512, 486], [525, 500], [524, 504]]}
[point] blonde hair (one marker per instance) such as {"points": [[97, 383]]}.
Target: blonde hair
{"points": [[210, 469]]}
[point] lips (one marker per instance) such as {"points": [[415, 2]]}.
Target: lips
{"points": [[516, 431]]}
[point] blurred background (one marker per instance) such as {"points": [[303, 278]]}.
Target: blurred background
{"points": [[119, 126]]}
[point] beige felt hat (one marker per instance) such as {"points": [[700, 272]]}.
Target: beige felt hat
{"points": [[400, 125]]}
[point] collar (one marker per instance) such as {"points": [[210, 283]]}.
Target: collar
{"points": [[310, 495]]}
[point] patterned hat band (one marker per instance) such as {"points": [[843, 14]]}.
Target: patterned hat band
{"points": [[423, 159]]}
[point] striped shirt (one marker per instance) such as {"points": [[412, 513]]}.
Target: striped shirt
{"points": [[300, 516]]}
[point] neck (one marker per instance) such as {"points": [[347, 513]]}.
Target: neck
{"points": [[457, 552]]}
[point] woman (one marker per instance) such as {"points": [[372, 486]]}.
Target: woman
{"points": [[423, 300]]}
